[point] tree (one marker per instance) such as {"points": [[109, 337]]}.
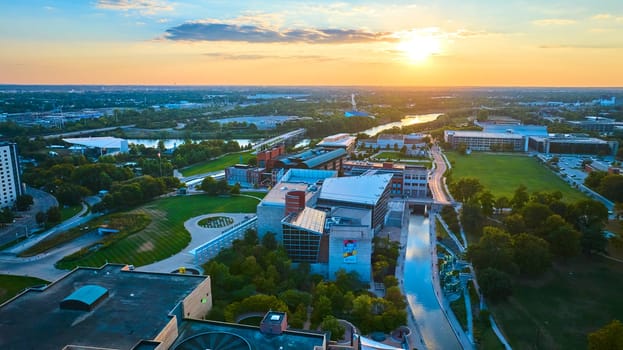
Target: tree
{"points": [[564, 240], [588, 213], [54, 214], [494, 249], [531, 254], [593, 180], [322, 308], [486, 202], [23, 202], [534, 215], [6, 216], [472, 218], [235, 189], [496, 285], [611, 186], [520, 198], [332, 325], [40, 217], [514, 224], [270, 241], [501, 203], [610, 337], [466, 188]]}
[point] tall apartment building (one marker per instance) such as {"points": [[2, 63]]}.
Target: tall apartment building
{"points": [[10, 180]]}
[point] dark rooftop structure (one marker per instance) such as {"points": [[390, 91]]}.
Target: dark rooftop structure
{"points": [[107, 307], [198, 334], [116, 307], [317, 158]]}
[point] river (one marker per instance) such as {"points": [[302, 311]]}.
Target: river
{"points": [[406, 121], [431, 321]]}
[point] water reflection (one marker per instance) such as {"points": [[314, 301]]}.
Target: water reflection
{"points": [[433, 325]]}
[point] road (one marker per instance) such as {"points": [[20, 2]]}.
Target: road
{"points": [[436, 183], [84, 132], [26, 222]]}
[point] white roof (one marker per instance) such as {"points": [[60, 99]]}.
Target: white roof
{"points": [[97, 142], [482, 134], [365, 189]]}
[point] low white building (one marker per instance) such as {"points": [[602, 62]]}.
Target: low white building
{"points": [[103, 145]]}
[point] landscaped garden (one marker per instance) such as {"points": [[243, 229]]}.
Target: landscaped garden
{"points": [[217, 164], [164, 236], [503, 173], [215, 222]]}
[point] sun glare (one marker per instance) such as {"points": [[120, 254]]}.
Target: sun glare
{"points": [[419, 46]]}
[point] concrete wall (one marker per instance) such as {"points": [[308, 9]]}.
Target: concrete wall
{"points": [[269, 220], [167, 336], [361, 263], [193, 306]]}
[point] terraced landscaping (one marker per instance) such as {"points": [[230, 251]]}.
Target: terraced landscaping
{"points": [[165, 235]]}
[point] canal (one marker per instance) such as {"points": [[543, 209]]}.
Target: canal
{"points": [[418, 286]]}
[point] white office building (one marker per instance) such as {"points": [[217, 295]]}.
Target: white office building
{"points": [[9, 175]]}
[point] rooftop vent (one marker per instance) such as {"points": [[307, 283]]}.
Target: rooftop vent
{"points": [[85, 299]]}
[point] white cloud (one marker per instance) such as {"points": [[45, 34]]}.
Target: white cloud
{"points": [[553, 22], [602, 16], [143, 7]]}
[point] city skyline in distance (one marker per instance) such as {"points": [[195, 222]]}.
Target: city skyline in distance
{"points": [[371, 43]]}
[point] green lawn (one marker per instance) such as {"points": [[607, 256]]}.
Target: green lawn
{"points": [[396, 155], [503, 173], [69, 212], [217, 164], [10, 286], [560, 309], [165, 235]]}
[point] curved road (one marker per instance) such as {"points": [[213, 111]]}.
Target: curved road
{"points": [[436, 182]]}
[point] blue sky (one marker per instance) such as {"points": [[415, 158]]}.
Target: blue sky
{"points": [[384, 38]]}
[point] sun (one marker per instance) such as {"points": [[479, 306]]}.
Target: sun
{"points": [[419, 46]]}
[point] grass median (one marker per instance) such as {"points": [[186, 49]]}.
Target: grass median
{"points": [[10, 285]]}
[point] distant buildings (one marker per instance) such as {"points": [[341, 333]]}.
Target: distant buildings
{"points": [[597, 124], [100, 145], [409, 181], [391, 141], [345, 141], [9, 174], [113, 307]]}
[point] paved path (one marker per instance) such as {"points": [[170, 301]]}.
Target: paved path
{"points": [[26, 220], [199, 235], [436, 183]]}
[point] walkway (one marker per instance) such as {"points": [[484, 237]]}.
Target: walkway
{"points": [[199, 235], [436, 183]]}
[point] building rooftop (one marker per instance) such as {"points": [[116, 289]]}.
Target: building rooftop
{"points": [[97, 142], [197, 334], [313, 157], [524, 130], [470, 133], [355, 189], [308, 176], [338, 140], [350, 216], [277, 195], [309, 219], [137, 307]]}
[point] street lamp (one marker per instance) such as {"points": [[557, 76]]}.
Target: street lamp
{"points": [[160, 164]]}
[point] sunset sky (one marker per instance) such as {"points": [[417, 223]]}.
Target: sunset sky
{"points": [[226, 42]]}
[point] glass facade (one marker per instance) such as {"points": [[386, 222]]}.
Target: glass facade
{"points": [[302, 245]]}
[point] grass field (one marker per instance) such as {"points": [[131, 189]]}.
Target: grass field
{"points": [[502, 174], [396, 155], [69, 212], [165, 235], [560, 309], [10, 286], [217, 164]]}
